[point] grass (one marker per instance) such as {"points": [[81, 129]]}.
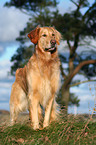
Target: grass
{"points": [[70, 131]]}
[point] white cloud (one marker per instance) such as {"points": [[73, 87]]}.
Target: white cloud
{"points": [[1, 49], [11, 22], [66, 6], [4, 68], [87, 97], [5, 84], [4, 106]]}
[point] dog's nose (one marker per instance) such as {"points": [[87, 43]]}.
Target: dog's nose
{"points": [[53, 42]]}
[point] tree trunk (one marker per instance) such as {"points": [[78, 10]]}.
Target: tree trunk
{"points": [[65, 87], [65, 99]]}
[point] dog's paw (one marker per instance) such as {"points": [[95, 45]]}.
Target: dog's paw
{"points": [[35, 126], [12, 122], [45, 124], [41, 128]]}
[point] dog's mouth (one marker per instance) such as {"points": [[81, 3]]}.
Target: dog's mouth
{"points": [[50, 49]]}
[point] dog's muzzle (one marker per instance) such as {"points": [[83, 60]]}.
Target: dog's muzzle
{"points": [[53, 46]]}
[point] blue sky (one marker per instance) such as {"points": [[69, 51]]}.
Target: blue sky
{"points": [[11, 22]]}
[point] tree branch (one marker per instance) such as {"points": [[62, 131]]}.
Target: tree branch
{"points": [[80, 66], [62, 72], [69, 45], [25, 12], [94, 5], [76, 42], [70, 76], [72, 85], [74, 2]]}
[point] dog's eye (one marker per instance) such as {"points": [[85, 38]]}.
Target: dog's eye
{"points": [[53, 34], [44, 35]]}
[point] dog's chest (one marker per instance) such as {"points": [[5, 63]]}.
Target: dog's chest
{"points": [[45, 71], [44, 79], [45, 88], [48, 83], [45, 91]]}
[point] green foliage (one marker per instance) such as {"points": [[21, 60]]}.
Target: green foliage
{"points": [[30, 5], [90, 19], [73, 100], [75, 23], [21, 57]]}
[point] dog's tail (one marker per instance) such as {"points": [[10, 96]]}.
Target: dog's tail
{"points": [[55, 113]]}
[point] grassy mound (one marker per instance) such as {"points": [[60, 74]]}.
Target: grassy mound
{"points": [[70, 131]]}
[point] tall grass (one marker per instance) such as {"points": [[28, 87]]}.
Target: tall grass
{"points": [[71, 130]]}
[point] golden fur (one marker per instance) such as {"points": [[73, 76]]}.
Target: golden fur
{"points": [[38, 82]]}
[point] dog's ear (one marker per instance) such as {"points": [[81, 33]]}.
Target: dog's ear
{"points": [[57, 35], [34, 35]]}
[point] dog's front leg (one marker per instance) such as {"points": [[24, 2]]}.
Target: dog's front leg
{"points": [[33, 111], [48, 113]]}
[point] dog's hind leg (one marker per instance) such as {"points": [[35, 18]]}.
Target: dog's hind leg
{"points": [[18, 102], [13, 114]]}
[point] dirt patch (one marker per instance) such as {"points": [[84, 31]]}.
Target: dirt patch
{"points": [[5, 118], [4, 112]]}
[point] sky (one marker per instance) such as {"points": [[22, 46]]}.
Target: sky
{"points": [[11, 22]]}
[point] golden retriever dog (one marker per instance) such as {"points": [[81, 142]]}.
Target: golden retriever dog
{"points": [[38, 82]]}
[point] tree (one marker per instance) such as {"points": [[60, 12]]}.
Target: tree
{"points": [[75, 27], [30, 6]]}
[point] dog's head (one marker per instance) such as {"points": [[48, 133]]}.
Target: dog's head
{"points": [[47, 38]]}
